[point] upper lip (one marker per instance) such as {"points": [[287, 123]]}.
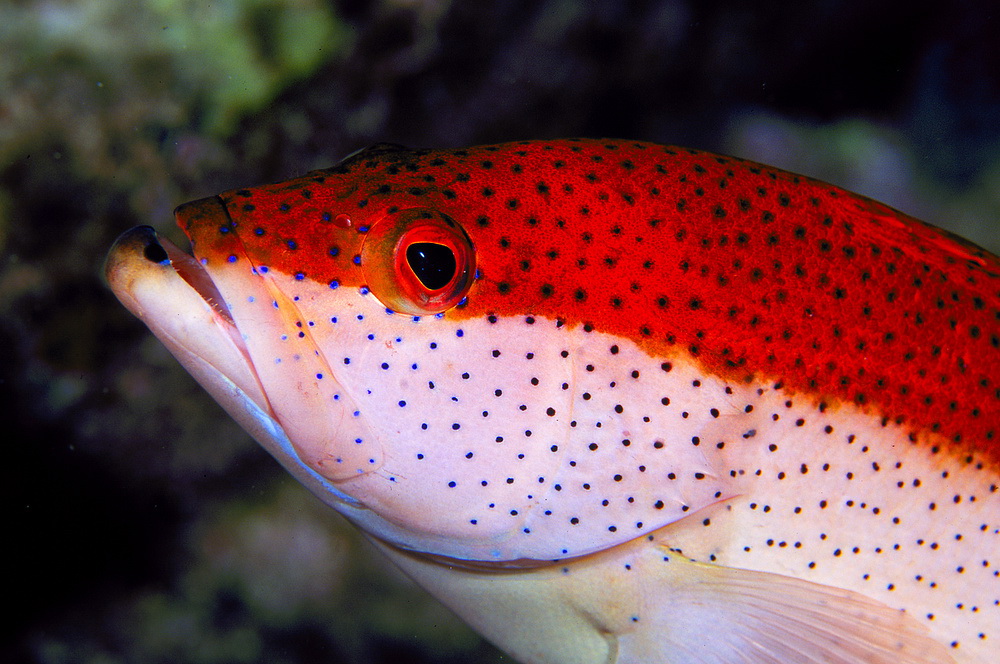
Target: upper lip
{"points": [[145, 240]]}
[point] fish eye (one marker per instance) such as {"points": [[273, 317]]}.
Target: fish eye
{"points": [[418, 261]]}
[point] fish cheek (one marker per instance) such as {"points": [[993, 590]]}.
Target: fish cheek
{"points": [[278, 316]]}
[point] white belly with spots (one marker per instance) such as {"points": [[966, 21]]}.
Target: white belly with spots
{"points": [[519, 440]]}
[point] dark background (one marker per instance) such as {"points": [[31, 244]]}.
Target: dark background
{"points": [[140, 524]]}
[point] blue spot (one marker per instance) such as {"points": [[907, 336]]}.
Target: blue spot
{"points": [[363, 229], [460, 333], [413, 366], [364, 290], [295, 299], [334, 284], [371, 337], [356, 413], [250, 299], [385, 365], [258, 231], [292, 244], [358, 441], [452, 484], [389, 311], [275, 303], [299, 276], [336, 397], [416, 319], [284, 337], [361, 317], [462, 302], [423, 426], [232, 258], [357, 259], [326, 216], [402, 404], [433, 345], [347, 360], [263, 269], [277, 360], [479, 275], [320, 376], [439, 315], [334, 251], [223, 229]]}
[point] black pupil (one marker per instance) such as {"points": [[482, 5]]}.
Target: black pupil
{"points": [[434, 264]]}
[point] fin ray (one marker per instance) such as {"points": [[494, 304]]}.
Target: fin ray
{"points": [[764, 618]]}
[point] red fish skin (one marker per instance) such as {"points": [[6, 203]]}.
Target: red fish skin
{"points": [[752, 272]]}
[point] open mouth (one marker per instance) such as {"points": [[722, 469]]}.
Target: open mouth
{"points": [[173, 294], [142, 244], [218, 320], [191, 271]]}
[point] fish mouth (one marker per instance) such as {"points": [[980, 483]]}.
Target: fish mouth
{"points": [[185, 307], [175, 297]]}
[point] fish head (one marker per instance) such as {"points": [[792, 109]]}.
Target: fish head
{"points": [[336, 327], [308, 340]]}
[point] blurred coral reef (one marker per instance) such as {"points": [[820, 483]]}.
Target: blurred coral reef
{"points": [[145, 526]]}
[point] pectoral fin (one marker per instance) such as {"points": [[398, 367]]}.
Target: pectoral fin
{"points": [[716, 615], [643, 604]]}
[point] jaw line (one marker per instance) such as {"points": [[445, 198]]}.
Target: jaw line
{"points": [[177, 299]]}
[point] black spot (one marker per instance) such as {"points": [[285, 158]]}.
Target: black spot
{"points": [[155, 253]]}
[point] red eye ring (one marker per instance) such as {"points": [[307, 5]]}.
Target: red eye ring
{"points": [[393, 277]]}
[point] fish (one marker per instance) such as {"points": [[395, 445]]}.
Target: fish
{"points": [[612, 401]]}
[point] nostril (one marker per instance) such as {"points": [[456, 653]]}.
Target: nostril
{"points": [[155, 253]]}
